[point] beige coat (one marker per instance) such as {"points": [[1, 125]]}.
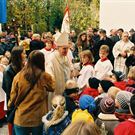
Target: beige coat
{"points": [[60, 69], [34, 106]]}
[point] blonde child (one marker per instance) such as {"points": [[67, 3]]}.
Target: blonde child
{"points": [[130, 61], [103, 66], [87, 70], [56, 120]]}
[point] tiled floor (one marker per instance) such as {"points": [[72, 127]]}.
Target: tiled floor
{"points": [[4, 130]]}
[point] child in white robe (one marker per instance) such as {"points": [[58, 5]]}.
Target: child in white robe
{"points": [[103, 67], [47, 50], [87, 70]]}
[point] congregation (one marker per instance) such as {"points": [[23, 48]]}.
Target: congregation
{"points": [[68, 83]]}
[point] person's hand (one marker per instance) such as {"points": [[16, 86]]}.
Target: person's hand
{"points": [[123, 54], [1, 68], [74, 73]]}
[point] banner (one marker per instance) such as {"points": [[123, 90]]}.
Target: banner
{"points": [[65, 24], [3, 11], [0, 28]]}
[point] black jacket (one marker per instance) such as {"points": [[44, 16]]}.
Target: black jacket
{"points": [[70, 104], [36, 45], [8, 76], [107, 41], [130, 61]]}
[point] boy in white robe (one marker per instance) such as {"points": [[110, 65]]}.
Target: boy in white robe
{"points": [[103, 67]]}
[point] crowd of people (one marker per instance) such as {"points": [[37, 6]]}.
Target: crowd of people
{"points": [[68, 83]]}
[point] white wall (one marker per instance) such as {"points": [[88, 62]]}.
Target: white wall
{"points": [[117, 14]]}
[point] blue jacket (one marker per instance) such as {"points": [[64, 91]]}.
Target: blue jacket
{"points": [[57, 127]]}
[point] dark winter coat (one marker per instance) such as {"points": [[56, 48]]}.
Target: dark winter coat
{"points": [[107, 41], [8, 76], [58, 126], [109, 120]]}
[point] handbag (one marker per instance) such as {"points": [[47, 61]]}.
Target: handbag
{"points": [[11, 114], [12, 110]]}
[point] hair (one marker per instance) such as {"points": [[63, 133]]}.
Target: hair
{"points": [[35, 61], [49, 35], [82, 128], [48, 39], [16, 58], [102, 31], [79, 40], [89, 54], [132, 48], [35, 36], [112, 92], [125, 32], [131, 73], [25, 43], [95, 30], [120, 29], [71, 84], [105, 48]]}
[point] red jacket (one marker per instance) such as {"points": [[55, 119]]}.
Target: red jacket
{"points": [[130, 82], [125, 128], [123, 116], [121, 85], [90, 91]]}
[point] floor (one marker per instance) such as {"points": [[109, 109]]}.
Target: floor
{"points": [[4, 130]]}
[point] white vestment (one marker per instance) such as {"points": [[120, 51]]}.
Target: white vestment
{"points": [[102, 68], [85, 73], [46, 55], [119, 62], [2, 93], [59, 68]]}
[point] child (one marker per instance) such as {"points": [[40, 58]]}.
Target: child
{"points": [[130, 61], [103, 88], [87, 107], [71, 94], [82, 128], [106, 116], [103, 66], [127, 127], [131, 77], [92, 90], [131, 80], [47, 50], [121, 102], [112, 92], [87, 70], [117, 78], [57, 120]]}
